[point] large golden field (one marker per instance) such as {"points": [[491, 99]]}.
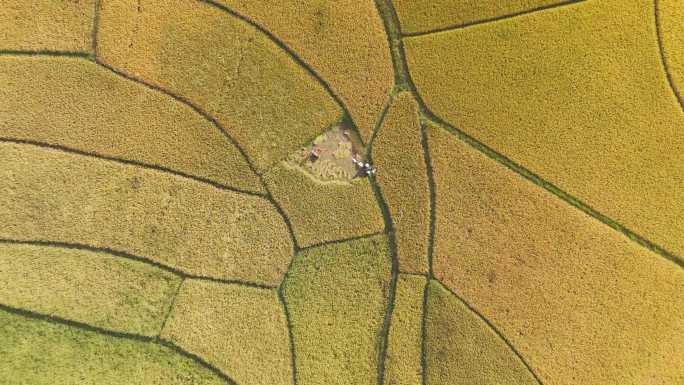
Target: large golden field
{"points": [[179, 203]]}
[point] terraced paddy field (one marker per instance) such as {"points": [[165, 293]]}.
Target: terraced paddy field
{"points": [[321, 192]]}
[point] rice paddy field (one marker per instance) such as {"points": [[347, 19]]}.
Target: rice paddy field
{"points": [[324, 192]]}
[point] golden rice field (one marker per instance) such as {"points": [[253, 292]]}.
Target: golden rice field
{"points": [[184, 198]]}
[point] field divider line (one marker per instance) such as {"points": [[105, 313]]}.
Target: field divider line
{"points": [[96, 27], [216, 124], [150, 166], [430, 117], [288, 319], [490, 20], [433, 196], [383, 337], [145, 260], [52, 53], [110, 333], [171, 306], [289, 51], [663, 56], [423, 333], [493, 328]]}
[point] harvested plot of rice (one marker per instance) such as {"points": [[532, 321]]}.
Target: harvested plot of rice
{"points": [[417, 16], [77, 104], [46, 25], [403, 362], [402, 176], [51, 195], [324, 211], [344, 41], [671, 30], [330, 155], [461, 349], [92, 288], [239, 329], [233, 72], [336, 296], [581, 302], [39, 352], [578, 96]]}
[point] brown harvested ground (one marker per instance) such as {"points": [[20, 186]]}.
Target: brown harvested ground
{"points": [[260, 95], [94, 288], [38, 25], [582, 303], [324, 211], [578, 96], [461, 349], [79, 105], [402, 176], [50, 195], [337, 297], [239, 329], [403, 362], [344, 41], [336, 148], [420, 16]]}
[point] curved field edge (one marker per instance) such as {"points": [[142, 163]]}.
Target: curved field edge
{"points": [[71, 350], [169, 216], [94, 288], [405, 81], [225, 66], [46, 93]]}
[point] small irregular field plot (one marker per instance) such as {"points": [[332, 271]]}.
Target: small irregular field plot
{"points": [[348, 192]]}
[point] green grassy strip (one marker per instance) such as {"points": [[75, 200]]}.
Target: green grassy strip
{"points": [[293, 357], [391, 21], [391, 238]]}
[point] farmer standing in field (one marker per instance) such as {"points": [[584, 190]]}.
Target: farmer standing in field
{"points": [[363, 169]]}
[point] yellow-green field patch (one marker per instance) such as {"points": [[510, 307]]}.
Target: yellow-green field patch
{"points": [[93, 288], [47, 194], [46, 25], [421, 16], [582, 303], [239, 329], [461, 349], [344, 41], [402, 175], [403, 362], [324, 211], [578, 96], [79, 105], [38, 352], [337, 297], [262, 97], [670, 16]]}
